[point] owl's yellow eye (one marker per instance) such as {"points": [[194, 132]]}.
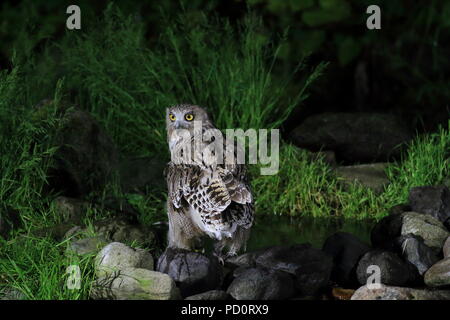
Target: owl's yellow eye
{"points": [[189, 117], [172, 117]]}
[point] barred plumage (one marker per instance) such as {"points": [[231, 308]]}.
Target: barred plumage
{"points": [[204, 199]]}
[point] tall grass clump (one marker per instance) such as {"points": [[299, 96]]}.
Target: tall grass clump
{"points": [[209, 62]]}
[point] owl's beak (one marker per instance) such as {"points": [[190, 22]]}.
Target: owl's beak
{"points": [[177, 125]]}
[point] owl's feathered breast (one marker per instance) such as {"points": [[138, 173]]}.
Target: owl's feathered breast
{"points": [[218, 198]]}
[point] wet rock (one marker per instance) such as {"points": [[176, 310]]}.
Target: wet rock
{"points": [[117, 256], [346, 250], [138, 173], [371, 176], [432, 200], [135, 284], [310, 267], [342, 294], [415, 251], [394, 271], [439, 274], [9, 293], [244, 260], [431, 230], [354, 137], [386, 231], [261, 284], [86, 246], [210, 295], [446, 249], [86, 157], [193, 272], [399, 293]]}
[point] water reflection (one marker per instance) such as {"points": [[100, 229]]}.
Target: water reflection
{"points": [[278, 230]]}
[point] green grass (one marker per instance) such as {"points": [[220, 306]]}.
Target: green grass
{"points": [[111, 70], [309, 188]]}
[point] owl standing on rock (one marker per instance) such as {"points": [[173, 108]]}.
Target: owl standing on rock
{"points": [[204, 197]]}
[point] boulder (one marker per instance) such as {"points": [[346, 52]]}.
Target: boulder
{"points": [[415, 251], [386, 231], [138, 173], [117, 256], [135, 284], [210, 295], [193, 272], [399, 293], [354, 137], [86, 157], [446, 248], [120, 229], [311, 267], [86, 246], [346, 250], [431, 230], [371, 176], [261, 284], [394, 271], [439, 274], [432, 200]]}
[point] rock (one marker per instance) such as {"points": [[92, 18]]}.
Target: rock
{"points": [[386, 231], [394, 271], [432, 200], [399, 208], [371, 176], [8, 293], [346, 250], [135, 284], [327, 156], [86, 246], [354, 137], [193, 272], [138, 173], [70, 209], [439, 274], [210, 295], [311, 267], [425, 226], [244, 260], [261, 284], [446, 248], [342, 294], [119, 229], [86, 157], [117, 256], [399, 293], [415, 251]]}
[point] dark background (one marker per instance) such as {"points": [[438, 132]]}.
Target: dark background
{"points": [[401, 69]]}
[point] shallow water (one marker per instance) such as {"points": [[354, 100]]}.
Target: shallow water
{"points": [[278, 230]]}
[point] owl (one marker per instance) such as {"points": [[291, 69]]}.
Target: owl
{"points": [[205, 198]]}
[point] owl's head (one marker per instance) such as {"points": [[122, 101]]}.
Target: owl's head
{"points": [[182, 116]]}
